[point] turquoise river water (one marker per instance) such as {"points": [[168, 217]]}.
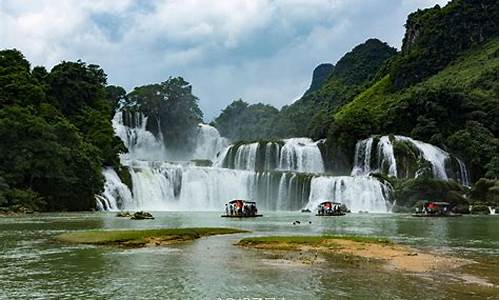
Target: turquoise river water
{"points": [[34, 266]]}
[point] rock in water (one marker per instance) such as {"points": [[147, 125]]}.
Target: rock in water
{"points": [[124, 214], [142, 215]]}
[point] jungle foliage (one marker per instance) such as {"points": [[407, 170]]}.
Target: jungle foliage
{"points": [[55, 134], [171, 109]]}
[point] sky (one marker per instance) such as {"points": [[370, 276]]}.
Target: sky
{"points": [[257, 50]]}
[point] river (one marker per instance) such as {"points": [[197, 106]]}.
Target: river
{"points": [[33, 266]]}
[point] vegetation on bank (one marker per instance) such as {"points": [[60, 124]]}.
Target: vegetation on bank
{"points": [[55, 135], [141, 238], [442, 88], [295, 242], [456, 109], [243, 121]]}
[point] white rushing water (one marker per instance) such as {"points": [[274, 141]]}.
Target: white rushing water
{"points": [[141, 144], [166, 186], [385, 160], [360, 193], [294, 154], [279, 175], [115, 192], [301, 155], [208, 143]]}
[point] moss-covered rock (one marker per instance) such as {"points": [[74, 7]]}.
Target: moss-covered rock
{"points": [[125, 177], [202, 162], [480, 209], [485, 191], [409, 191]]}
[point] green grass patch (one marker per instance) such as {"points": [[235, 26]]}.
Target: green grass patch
{"points": [[142, 237], [291, 242]]}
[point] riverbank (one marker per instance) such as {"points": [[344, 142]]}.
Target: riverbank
{"points": [[393, 256], [143, 238]]}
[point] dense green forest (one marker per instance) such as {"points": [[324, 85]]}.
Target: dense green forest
{"points": [[441, 88], [55, 134]]}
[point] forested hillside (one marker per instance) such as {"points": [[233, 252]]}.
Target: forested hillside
{"points": [[55, 134], [331, 87], [441, 88]]}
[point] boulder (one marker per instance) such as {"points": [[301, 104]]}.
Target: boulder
{"points": [[123, 214], [142, 215]]}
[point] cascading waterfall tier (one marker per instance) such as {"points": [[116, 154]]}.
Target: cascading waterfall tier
{"points": [[141, 143], [279, 175], [358, 193], [295, 154], [167, 186], [144, 145], [405, 157], [116, 194], [209, 143]]}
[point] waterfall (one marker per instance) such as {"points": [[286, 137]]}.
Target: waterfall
{"points": [[280, 175], [208, 143], [167, 186], [386, 157], [357, 193], [246, 157], [302, 155], [295, 154], [362, 157], [435, 155], [115, 192], [464, 173], [409, 161], [141, 143]]}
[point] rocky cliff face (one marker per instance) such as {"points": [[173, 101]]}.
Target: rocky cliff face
{"points": [[411, 35], [320, 75]]}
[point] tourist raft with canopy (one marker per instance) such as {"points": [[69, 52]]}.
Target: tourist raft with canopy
{"points": [[241, 209], [435, 209], [329, 208]]}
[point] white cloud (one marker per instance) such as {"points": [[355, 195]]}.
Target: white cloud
{"points": [[261, 50]]}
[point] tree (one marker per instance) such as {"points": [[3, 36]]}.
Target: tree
{"points": [[476, 144], [49, 161], [55, 134], [115, 95], [79, 91], [17, 86], [242, 121], [172, 110]]}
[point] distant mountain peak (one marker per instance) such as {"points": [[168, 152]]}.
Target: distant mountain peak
{"points": [[320, 74]]}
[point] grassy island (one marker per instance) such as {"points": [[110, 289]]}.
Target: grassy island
{"points": [[392, 255], [142, 238]]}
